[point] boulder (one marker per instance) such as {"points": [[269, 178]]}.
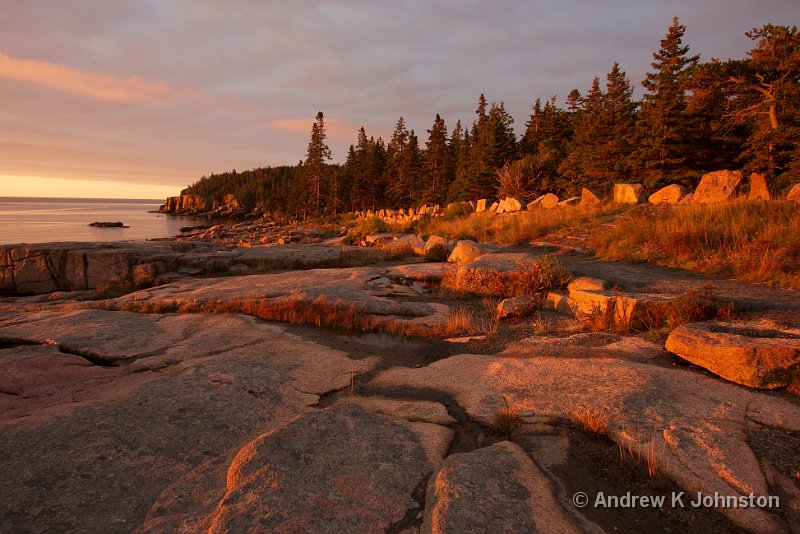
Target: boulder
{"points": [[759, 187], [514, 204], [515, 307], [548, 201], [719, 186], [587, 282], [435, 240], [671, 194], [588, 198], [755, 357], [794, 193], [571, 201], [493, 489], [407, 243], [465, 251], [480, 206], [493, 207], [559, 303], [623, 310], [628, 193], [344, 469], [533, 204]]}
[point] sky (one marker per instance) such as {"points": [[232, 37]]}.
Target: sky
{"points": [[139, 98]]}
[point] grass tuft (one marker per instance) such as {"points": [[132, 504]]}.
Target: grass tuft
{"points": [[594, 419], [506, 420]]}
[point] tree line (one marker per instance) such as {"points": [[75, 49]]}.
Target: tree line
{"points": [[694, 117]]}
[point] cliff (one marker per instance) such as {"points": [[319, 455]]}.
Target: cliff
{"points": [[228, 206]]}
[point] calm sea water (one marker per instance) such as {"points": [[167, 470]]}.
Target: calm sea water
{"points": [[43, 220]]}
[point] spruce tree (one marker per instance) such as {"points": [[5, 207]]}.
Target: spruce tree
{"points": [[438, 167], [664, 136], [316, 157]]}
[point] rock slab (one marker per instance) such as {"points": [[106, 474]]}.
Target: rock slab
{"points": [[495, 489], [754, 357], [341, 470]]}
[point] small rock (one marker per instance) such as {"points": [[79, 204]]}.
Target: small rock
{"points": [[628, 193], [465, 251], [587, 282], [588, 198], [794, 193], [759, 187], [671, 194], [549, 201], [521, 306]]}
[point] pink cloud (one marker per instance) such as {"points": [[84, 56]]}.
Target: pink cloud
{"points": [[89, 84]]}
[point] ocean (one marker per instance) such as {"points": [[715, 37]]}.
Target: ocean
{"points": [[44, 220]]}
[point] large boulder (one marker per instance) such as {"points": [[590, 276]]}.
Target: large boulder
{"points": [[480, 206], [794, 193], [759, 187], [493, 489], [465, 251], [671, 194], [754, 357], [588, 198], [719, 186], [628, 193]]}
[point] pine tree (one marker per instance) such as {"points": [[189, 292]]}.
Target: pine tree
{"points": [[663, 135], [314, 166], [438, 167]]}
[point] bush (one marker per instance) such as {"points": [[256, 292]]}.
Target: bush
{"points": [[544, 274], [457, 211], [438, 252]]}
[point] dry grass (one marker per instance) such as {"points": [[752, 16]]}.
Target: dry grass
{"points": [[651, 454], [544, 274], [506, 420], [753, 241], [318, 312], [594, 419], [513, 228]]}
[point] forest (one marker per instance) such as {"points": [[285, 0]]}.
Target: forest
{"points": [[694, 117]]}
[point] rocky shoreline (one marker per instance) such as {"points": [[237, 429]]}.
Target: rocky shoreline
{"points": [[267, 376]]}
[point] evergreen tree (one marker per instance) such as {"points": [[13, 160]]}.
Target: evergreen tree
{"points": [[769, 86], [460, 151], [316, 157], [369, 162], [438, 167], [664, 138]]}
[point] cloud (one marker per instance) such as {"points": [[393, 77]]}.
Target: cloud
{"points": [[93, 85]]}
